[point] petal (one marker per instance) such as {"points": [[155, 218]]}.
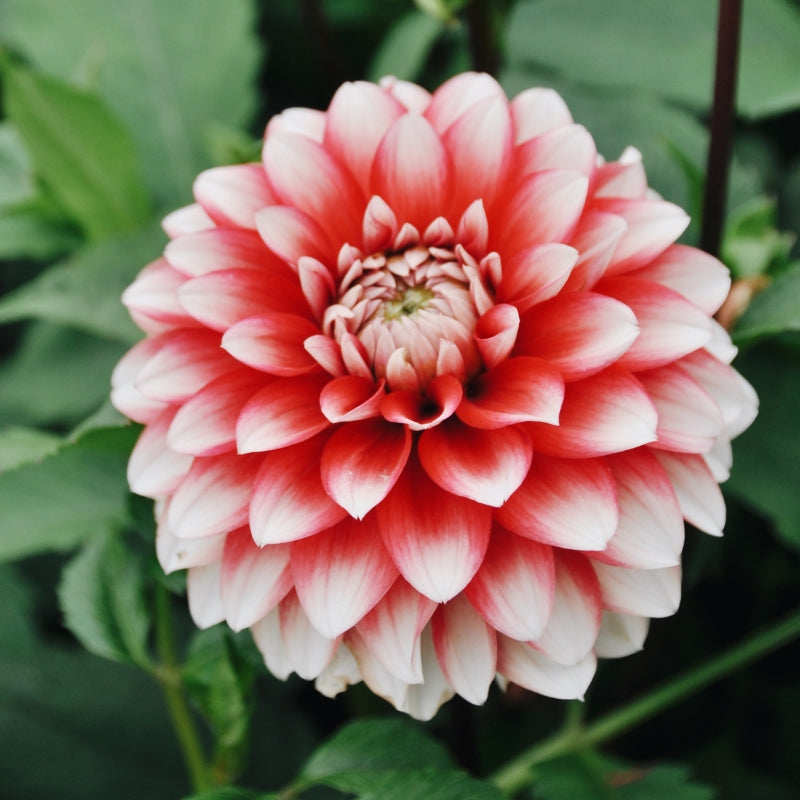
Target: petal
{"points": [[308, 122], [473, 229], [203, 594], [341, 672], [697, 276], [647, 593], [174, 553], [412, 171], [485, 466], [575, 617], [419, 412], [268, 639], [154, 469], [254, 579], [358, 117], [291, 234], [699, 496], [380, 225], [650, 530], [205, 424], [154, 294], [412, 97], [361, 463], [513, 589], [220, 248], [349, 398], [580, 333], [214, 496], [283, 413], [458, 95], [392, 629], [308, 650], [536, 274], [568, 147], [273, 343], [375, 674], [569, 503], [466, 649], [188, 219], [607, 413], [221, 299], [423, 700], [306, 177], [596, 238], [621, 635], [532, 670], [688, 418], [517, 390], [341, 573], [436, 539], [289, 501], [536, 111], [670, 327], [496, 333], [623, 178], [232, 195], [125, 394]]}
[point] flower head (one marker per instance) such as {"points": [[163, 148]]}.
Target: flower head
{"points": [[429, 393]]}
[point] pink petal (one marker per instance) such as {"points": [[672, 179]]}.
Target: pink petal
{"points": [[154, 294], [419, 412], [380, 225], [183, 363], [670, 327], [267, 636], [327, 353], [653, 225], [205, 424], [203, 594], [357, 120], [423, 700], [596, 238], [455, 97], [188, 219], [308, 122], [362, 461], [496, 333], [342, 671], [220, 248], [306, 177], [517, 390], [308, 650], [623, 178], [232, 195], [174, 553], [272, 342], [154, 468], [291, 234], [536, 274], [532, 670], [317, 285], [536, 111], [699, 496], [214, 496], [412, 171], [466, 648], [647, 593], [221, 299], [575, 618], [350, 398], [568, 147], [254, 579], [289, 501], [378, 678], [606, 413], [125, 394], [436, 539], [568, 503], [412, 97], [473, 229], [688, 418], [513, 589], [579, 333], [485, 466], [341, 573], [283, 413], [480, 144], [391, 630], [545, 207], [621, 635]]}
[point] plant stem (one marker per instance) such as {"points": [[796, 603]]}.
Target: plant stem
{"points": [[482, 40], [722, 116], [169, 677], [571, 738]]}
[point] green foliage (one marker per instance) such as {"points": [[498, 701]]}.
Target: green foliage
{"points": [[23, 445], [406, 48], [774, 310]]}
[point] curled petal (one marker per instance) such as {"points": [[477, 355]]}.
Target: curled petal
{"points": [[362, 461], [341, 573], [350, 398], [484, 466], [442, 398], [496, 334]]}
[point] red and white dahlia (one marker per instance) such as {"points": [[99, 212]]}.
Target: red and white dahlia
{"points": [[428, 394]]}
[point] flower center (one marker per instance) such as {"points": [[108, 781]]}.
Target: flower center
{"points": [[410, 299]]}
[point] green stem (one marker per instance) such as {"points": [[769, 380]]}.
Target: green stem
{"points": [[571, 738], [169, 677]]}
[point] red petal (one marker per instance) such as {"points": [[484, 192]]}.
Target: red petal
{"points": [[496, 333], [536, 274], [291, 234], [536, 111], [350, 398], [567, 147], [419, 413], [232, 195], [220, 248], [154, 469]]}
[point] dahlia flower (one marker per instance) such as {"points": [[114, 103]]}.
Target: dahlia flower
{"points": [[429, 393]]}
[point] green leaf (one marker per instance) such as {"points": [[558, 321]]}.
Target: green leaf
{"points": [[26, 231], [406, 47], [77, 492], [16, 174], [430, 784], [774, 310], [102, 595], [663, 782], [766, 471], [23, 445], [84, 291], [665, 48], [373, 746], [167, 69], [80, 150], [578, 777], [232, 793]]}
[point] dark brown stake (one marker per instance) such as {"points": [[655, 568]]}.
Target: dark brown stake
{"points": [[483, 47], [722, 119]]}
